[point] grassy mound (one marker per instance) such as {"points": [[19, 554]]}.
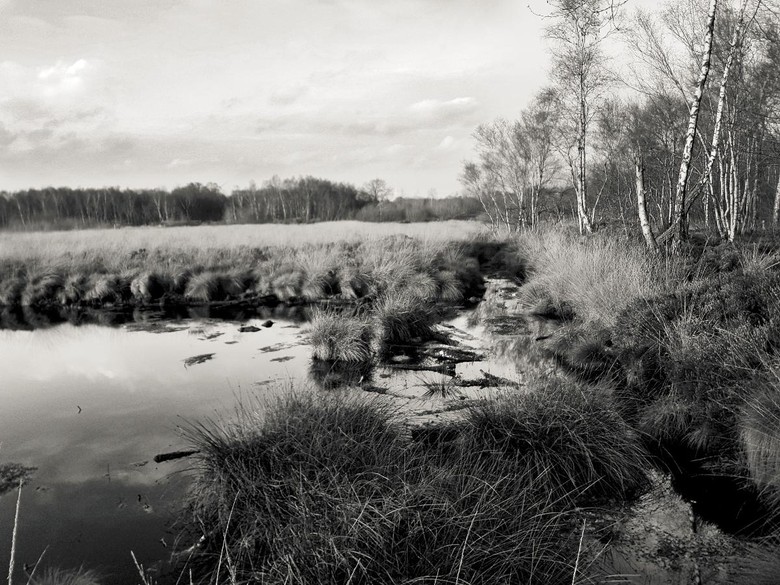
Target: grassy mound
{"points": [[568, 435], [331, 489]]}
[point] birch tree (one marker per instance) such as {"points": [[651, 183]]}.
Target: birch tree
{"points": [[578, 29], [680, 218]]}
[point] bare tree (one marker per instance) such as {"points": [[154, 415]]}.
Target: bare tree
{"points": [[539, 122], [578, 30]]}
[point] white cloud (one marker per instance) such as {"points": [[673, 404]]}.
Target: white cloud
{"points": [[447, 143], [62, 78]]}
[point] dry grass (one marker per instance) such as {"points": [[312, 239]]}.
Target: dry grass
{"points": [[49, 247], [330, 489], [52, 576], [215, 263], [595, 277]]}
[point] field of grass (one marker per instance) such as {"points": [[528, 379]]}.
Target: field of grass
{"points": [[53, 247], [257, 263]]}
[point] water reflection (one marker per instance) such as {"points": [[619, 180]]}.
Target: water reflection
{"points": [[90, 406], [29, 319], [331, 375]]}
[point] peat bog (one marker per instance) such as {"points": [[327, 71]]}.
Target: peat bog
{"points": [[540, 409]]}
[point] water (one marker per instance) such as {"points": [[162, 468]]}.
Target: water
{"points": [[90, 406], [90, 398]]}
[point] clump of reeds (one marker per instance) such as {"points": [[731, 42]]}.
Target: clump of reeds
{"points": [[203, 287], [340, 336], [42, 289], [329, 489], [74, 289], [150, 286], [400, 319], [11, 289], [449, 288], [353, 284], [321, 286], [596, 277], [287, 282], [568, 435], [107, 288]]}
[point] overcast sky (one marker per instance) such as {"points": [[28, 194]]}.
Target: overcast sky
{"points": [[158, 93]]}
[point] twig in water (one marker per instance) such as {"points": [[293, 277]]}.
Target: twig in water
{"points": [[579, 552], [13, 535], [35, 566]]}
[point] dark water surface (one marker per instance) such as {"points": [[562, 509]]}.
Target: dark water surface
{"points": [[90, 406]]}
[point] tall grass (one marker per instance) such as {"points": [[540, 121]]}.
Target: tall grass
{"points": [[593, 278], [211, 264], [337, 336], [331, 489], [568, 435]]}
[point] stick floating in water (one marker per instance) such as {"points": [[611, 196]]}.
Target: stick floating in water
{"points": [[174, 455]]}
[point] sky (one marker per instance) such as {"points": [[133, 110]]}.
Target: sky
{"points": [[159, 93]]}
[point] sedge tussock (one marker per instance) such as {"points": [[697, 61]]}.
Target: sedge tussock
{"points": [[336, 336]]}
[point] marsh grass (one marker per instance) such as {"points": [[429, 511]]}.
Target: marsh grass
{"points": [[565, 434], [52, 576], [340, 336], [209, 263], [592, 279], [330, 489], [401, 318], [759, 428]]}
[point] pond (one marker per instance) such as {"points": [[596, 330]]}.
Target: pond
{"points": [[90, 405]]}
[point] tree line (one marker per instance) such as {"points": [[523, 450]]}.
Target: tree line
{"points": [[294, 200], [694, 135]]}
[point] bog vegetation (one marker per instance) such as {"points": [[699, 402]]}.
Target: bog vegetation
{"points": [[667, 358]]}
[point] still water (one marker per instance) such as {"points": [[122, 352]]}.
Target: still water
{"points": [[90, 405]]}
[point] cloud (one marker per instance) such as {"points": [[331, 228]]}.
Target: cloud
{"points": [[446, 144], [63, 78]]}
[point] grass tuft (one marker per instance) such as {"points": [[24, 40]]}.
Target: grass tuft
{"points": [[340, 336], [401, 319], [52, 576], [567, 435], [203, 287]]}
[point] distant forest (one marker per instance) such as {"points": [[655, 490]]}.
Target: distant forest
{"points": [[298, 200]]}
